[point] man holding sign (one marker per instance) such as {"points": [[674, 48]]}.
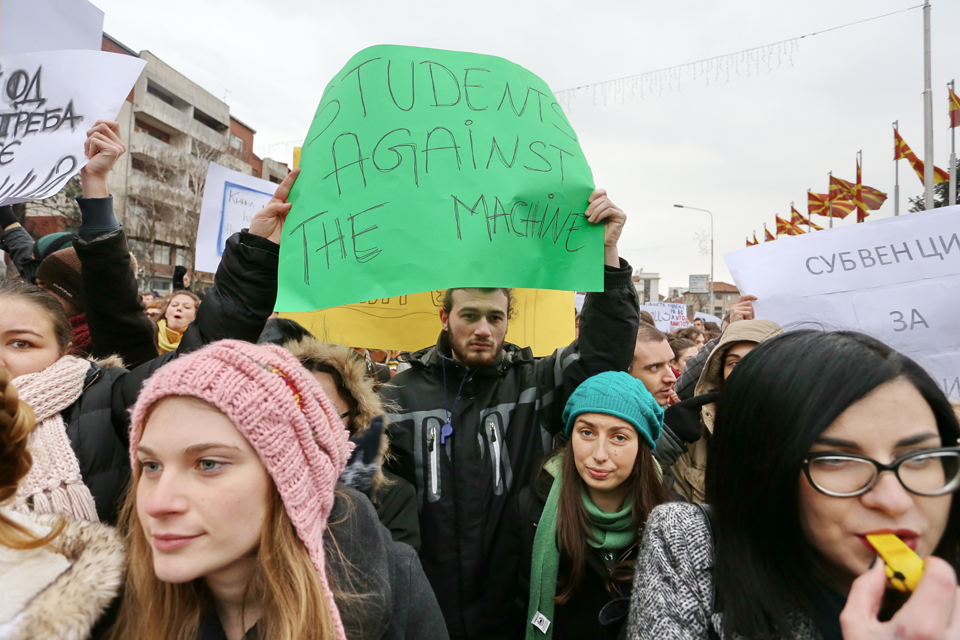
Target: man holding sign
{"points": [[430, 170], [478, 414]]}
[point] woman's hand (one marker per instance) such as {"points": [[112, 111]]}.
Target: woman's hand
{"points": [[931, 613], [268, 223]]}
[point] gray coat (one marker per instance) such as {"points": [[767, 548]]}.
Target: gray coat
{"points": [[673, 587]]}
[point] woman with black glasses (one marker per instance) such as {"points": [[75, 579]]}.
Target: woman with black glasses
{"points": [[820, 439]]}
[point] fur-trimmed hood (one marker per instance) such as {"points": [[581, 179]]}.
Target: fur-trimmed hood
{"points": [[353, 370], [711, 378], [91, 557]]}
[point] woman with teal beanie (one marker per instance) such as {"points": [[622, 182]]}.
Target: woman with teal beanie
{"points": [[580, 522]]}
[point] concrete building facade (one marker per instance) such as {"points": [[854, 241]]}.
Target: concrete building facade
{"points": [[725, 295], [647, 286]]}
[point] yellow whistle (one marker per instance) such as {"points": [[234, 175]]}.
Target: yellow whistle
{"points": [[904, 567]]}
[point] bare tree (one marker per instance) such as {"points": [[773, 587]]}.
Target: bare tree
{"points": [[164, 204]]}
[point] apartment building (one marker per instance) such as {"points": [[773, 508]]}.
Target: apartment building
{"points": [[173, 129], [647, 286], [725, 295]]}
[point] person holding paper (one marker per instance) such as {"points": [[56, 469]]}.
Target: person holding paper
{"points": [[823, 440], [476, 416]]}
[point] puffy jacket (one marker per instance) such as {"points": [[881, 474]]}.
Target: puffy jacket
{"points": [[503, 424], [690, 468], [399, 604], [97, 422]]}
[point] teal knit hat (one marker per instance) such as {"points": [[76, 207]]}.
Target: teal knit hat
{"points": [[619, 394]]}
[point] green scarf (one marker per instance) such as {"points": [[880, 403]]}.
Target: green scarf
{"points": [[611, 532]]}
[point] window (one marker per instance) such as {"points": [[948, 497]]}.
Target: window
{"points": [[718, 311], [161, 254], [161, 286], [181, 257], [718, 296], [728, 297], [236, 142]]}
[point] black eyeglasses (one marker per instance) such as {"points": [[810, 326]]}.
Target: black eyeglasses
{"points": [[931, 472]]}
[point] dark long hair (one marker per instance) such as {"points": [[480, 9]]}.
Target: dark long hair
{"points": [[574, 528], [776, 403]]}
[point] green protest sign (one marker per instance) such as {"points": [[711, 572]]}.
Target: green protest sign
{"points": [[426, 169]]}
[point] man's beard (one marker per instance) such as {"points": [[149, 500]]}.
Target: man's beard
{"points": [[472, 359]]}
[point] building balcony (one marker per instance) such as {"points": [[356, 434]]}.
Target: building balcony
{"points": [[170, 116]]}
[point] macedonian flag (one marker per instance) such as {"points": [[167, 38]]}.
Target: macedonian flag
{"points": [[954, 109], [767, 236], [798, 219], [819, 203], [783, 227], [902, 152], [858, 196]]}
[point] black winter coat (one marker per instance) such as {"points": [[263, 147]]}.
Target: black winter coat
{"points": [[400, 604], [503, 425], [579, 617], [98, 421]]}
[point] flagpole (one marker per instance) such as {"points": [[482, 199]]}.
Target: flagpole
{"points": [[953, 152], [928, 175], [860, 189], [896, 172], [829, 199]]}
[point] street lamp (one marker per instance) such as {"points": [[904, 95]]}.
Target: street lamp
{"points": [[712, 303]]}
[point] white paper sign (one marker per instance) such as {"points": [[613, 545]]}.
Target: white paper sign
{"points": [[896, 279], [48, 101], [668, 316], [578, 299], [230, 200], [27, 26]]}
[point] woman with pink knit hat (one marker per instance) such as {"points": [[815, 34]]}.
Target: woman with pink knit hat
{"points": [[235, 525]]}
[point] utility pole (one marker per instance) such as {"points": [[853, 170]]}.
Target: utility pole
{"points": [[928, 175]]}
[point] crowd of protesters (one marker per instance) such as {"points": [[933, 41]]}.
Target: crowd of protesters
{"points": [[195, 468]]}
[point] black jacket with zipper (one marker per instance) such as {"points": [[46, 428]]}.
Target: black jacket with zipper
{"points": [[503, 425]]}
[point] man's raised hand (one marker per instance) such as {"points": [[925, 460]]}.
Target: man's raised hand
{"points": [[602, 209]]}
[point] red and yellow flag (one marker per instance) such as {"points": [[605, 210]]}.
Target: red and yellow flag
{"points": [[873, 199], [858, 196], [902, 152], [798, 219], [783, 227], [840, 189], [755, 241], [819, 203], [954, 109], [767, 236]]}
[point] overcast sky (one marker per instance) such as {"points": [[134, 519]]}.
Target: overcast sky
{"points": [[743, 148]]}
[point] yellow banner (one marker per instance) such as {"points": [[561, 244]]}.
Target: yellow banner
{"points": [[543, 320]]}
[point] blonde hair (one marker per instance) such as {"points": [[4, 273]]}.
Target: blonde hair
{"points": [[294, 603], [16, 425]]}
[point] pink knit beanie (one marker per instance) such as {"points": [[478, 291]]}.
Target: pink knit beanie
{"points": [[282, 411]]}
